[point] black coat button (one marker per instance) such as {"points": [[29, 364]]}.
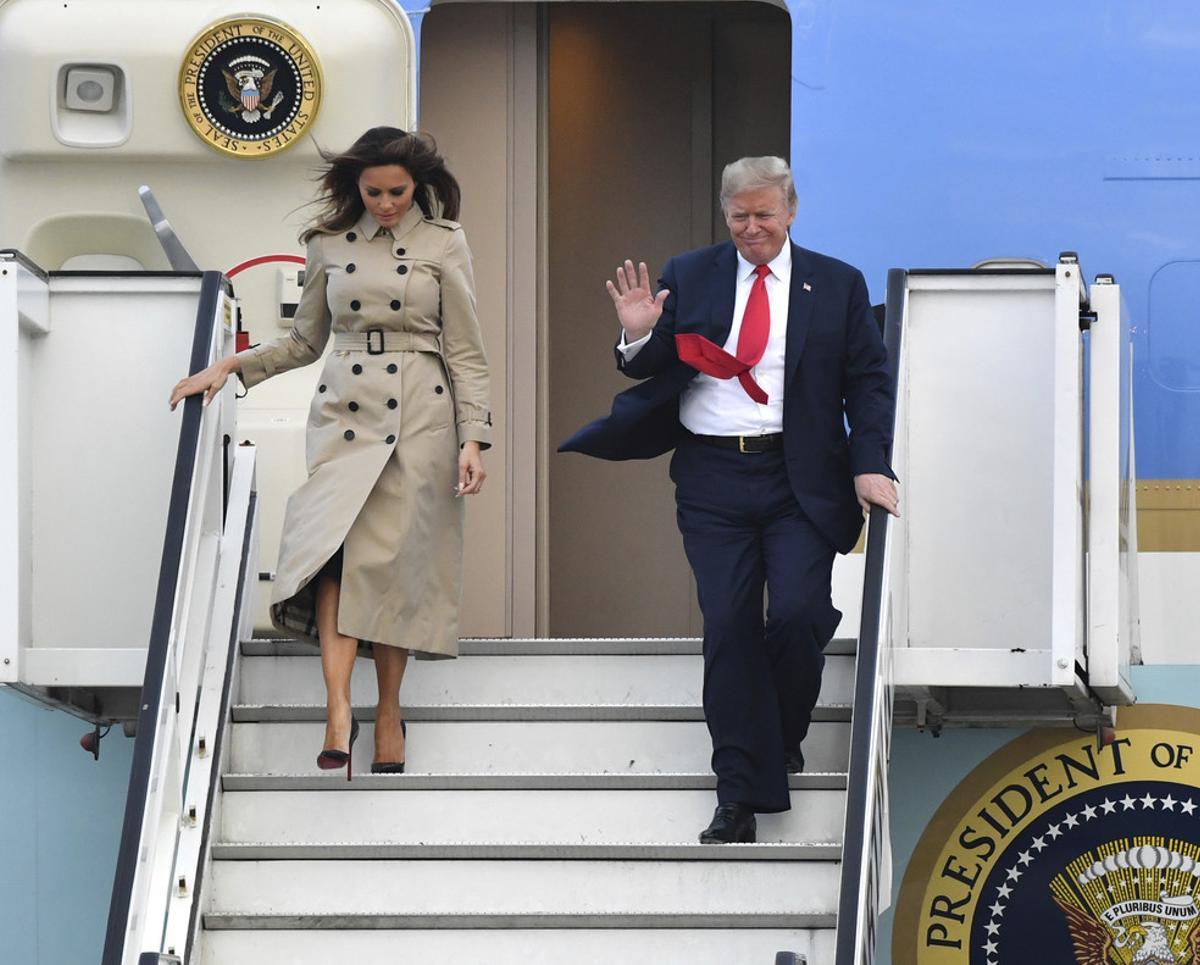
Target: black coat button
{"points": [[390, 440], [350, 269], [392, 368], [353, 406], [351, 236], [355, 305], [400, 252], [402, 270], [439, 390], [392, 403], [348, 435], [320, 388], [356, 369], [395, 304]]}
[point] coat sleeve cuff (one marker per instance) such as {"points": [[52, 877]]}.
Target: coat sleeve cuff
{"points": [[252, 369], [861, 464], [479, 432]]}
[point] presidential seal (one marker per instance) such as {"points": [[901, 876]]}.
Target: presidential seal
{"points": [[250, 87], [1055, 850]]}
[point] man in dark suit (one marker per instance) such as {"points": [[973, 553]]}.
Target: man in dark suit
{"points": [[754, 355]]}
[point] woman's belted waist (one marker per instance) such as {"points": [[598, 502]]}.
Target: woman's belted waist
{"points": [[376, 341]]}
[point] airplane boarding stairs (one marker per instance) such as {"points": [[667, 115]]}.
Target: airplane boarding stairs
{"points": [[549, 813]]}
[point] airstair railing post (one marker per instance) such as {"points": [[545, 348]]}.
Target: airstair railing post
{"points": [[866, 849]]}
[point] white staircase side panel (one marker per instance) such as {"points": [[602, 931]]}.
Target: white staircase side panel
{"points": [[980, 462], [84, 666], [22, 294], [102, 473], [1112, 500]]}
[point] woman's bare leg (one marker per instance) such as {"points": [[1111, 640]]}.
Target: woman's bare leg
{"points": [[337, 663], [390, 663]]}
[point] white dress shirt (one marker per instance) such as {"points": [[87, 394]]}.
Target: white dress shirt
{"points": [[721, 407]]}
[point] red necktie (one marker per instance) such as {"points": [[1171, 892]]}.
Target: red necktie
{"points": [[709, 358]]}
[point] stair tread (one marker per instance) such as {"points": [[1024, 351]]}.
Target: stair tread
{"points": [[525, 850], [469, 780], [515, 920], [529, 646], [512, 711]]}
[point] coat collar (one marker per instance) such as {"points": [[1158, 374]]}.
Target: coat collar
{"points": [[368, 227]]}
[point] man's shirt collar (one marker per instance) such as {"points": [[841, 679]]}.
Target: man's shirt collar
{"points": [[780, 265]]}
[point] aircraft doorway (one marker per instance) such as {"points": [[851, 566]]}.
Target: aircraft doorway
{"points": [[586, 133]]}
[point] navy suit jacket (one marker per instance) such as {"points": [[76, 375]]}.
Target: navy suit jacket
{"points": [[835, 371]]}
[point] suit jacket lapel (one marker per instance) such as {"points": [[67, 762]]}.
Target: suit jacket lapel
{"points": [[800, 307], [724, 287]]}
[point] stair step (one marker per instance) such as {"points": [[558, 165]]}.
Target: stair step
{"points": [[547, 946], [599, 747], [507, 817], [553, 646], [622, 920], [516, 680], [528, 851], [413, 781], [246, 713], [404, 893]]}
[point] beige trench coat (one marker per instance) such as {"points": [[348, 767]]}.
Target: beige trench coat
{"points": [[405, 385]]}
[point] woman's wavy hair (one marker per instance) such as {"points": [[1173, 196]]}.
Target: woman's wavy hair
{"points": [[437, 192]]}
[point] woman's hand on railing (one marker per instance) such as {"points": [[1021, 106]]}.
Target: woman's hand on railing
{"points": [[210, 381]]}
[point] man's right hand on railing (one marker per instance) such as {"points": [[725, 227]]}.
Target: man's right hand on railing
{"points": [[876, 489]]}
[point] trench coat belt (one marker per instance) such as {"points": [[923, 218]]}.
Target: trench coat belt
{"points": [[376, 341]]}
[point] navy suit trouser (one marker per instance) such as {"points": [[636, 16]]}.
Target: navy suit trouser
{"points": [[742, 531]]}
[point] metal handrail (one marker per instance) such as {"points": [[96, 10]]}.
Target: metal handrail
{"points": [[865, 848], [150, 711]]}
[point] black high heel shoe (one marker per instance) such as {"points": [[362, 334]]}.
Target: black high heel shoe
{"points": [[389, 768], [332, 760]]}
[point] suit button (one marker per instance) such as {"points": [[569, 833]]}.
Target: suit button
{"points": [[348, 435], [439, 390], [353, 406], [355, 305], [392, 368], [392, 403], [390, 440], [356, 369], [351, 236], [350, 269], [320, 388], [400, 252], [395, 304], [402, 269]]}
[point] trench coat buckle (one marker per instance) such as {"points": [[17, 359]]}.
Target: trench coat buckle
{"points": [[371, 349]]}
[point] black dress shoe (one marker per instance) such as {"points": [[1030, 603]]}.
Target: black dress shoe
{"points": [[793, 757], [731, 824]]}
